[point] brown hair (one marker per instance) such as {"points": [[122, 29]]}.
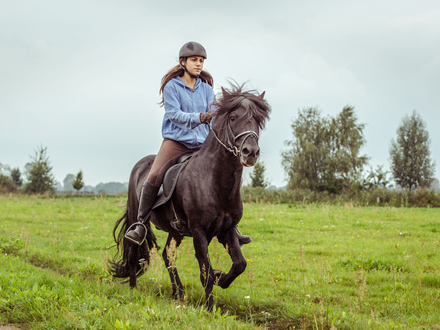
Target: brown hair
{"points": [[177, 71]]}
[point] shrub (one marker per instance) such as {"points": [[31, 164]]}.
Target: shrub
{"points": [[375, 197]]}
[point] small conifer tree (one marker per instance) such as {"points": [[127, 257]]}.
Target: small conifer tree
{"points": [[257, 175], [39, 173], [78, 183]]}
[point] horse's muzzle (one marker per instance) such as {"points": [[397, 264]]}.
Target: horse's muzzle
{"points": [[249, 155]]}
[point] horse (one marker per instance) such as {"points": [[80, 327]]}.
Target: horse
{"points": [[206, 198]]}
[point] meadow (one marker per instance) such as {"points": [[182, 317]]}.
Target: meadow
{"points": [[309, 266]]}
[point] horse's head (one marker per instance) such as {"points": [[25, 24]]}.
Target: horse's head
{"points": [[240, 115]]}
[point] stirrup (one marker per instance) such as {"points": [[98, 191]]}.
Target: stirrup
{"points": [[132, 240]]}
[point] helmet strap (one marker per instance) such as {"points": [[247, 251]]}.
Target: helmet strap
{"points": [[189, 73]]}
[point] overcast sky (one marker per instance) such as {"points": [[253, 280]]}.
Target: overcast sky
{"points": [[82, 78]]}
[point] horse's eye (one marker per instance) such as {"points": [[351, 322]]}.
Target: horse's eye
{"points": [[231, 118]]}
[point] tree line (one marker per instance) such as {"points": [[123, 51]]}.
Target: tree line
{"points": [[39, 176], [325, 155]]}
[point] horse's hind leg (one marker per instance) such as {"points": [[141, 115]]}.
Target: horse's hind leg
{"points": [[169, 255]]}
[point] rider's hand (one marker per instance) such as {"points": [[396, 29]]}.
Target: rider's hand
{"points": [[205, 117]]}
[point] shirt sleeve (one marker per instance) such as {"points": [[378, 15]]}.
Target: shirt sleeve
{"points": [[185, 120], [211, 98]]}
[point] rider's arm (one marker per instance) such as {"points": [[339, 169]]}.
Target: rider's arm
{"points": [[173, 109]]}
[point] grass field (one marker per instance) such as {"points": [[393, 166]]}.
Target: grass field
{"points": [[309, 267]]}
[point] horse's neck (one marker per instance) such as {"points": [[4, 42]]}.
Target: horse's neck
{"points": [[225, 169]]}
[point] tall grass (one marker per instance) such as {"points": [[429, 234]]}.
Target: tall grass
{"points": [[310, 266]]}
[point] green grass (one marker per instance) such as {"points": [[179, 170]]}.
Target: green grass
{"points": [[309, 267]]}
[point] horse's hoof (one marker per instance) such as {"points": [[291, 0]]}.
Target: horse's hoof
{"points": [[179, 295]]}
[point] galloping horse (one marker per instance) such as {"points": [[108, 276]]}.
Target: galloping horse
{"points": [[206, 200]]}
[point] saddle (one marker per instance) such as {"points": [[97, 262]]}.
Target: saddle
{"points": [[169, 185]]}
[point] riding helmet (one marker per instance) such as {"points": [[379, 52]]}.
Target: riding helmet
{"points": [[192, 48]]}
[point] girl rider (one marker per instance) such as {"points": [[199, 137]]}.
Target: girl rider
{"points": [[187, 95]]}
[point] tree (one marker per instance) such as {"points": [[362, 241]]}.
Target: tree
{"points": [[68, 182], [39, 173], [377, 178], [6, 184], [16, 177], [78, 183], [304, 161], [347, 139], [257, 175], [411, 164], [324, 154]]}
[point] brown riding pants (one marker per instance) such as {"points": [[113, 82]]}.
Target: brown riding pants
{"points": [[168, 155]]}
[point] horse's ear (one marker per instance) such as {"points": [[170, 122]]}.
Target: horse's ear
{"points": [[224, 92], [261, 96]]}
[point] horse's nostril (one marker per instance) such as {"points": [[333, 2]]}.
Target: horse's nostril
{"points": [[245, 151], [257, 154]]}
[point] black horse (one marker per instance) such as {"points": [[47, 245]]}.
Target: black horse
{"points": [[206, 199]]}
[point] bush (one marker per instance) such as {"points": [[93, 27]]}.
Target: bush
{"points": [[6, 184], [375, 197]]}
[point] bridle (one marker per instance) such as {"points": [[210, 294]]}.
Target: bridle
{"points": [[233, 148]]}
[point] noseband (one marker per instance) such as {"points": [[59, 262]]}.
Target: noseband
{"points": [[232, 148]]}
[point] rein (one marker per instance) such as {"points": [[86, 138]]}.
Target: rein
{"points": [[232, 148]]}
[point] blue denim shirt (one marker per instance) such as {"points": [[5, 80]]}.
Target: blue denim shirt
{"points": [[183, 106]]}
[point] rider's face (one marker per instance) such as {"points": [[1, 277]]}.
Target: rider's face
{"points": [[194, 64]]}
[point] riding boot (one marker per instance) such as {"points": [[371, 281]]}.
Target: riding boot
{"points": [[243, 239], [146, 202]]}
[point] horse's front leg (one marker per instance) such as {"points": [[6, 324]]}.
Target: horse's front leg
{"points": [[169, 255], [231, 244], [207, 277], [133, 261]]}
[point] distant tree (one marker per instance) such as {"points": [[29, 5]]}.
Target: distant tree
{"points": [[304, 161], [347, 140], [110, 188], [39, 173], [257, 175], [78, 183], [411, 164], [68, 182], [16, 177], [377, 178], [6, 183], [324, 154]]}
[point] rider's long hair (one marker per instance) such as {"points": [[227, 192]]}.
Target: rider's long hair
{"points": [[177, 71]]}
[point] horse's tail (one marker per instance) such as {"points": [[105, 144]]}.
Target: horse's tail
{"points": [[131, 258]]}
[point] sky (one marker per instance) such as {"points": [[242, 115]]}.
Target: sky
{"points": [[82, 78]]}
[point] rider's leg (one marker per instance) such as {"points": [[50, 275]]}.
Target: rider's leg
{"points": [[167, 156], [146, 202], [242, 239]]}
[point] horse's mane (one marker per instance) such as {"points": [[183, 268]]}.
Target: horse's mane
{"points": [[232, 98]]}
